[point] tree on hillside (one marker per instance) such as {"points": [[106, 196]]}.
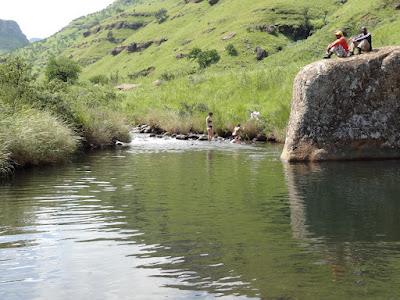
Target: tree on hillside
{"points": [[204, 58], [15, 81], [63, 69]]}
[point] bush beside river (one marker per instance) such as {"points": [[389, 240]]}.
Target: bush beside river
{"points": [[45, 121]]}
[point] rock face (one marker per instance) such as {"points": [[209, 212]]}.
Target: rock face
{"points": [[11, 36], [346, 109]]}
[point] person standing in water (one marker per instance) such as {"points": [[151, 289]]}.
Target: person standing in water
{"points": [[209, 122]]}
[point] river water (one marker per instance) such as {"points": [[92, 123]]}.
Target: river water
{"points": [[166, 219]]}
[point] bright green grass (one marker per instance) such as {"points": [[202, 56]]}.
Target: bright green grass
{"points": [[236, 85]]}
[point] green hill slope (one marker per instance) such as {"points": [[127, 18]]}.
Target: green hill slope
{"points": [[11, 36], [150, 37]]}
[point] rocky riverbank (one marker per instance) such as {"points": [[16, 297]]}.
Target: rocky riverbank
{"points": [[156, 132]]}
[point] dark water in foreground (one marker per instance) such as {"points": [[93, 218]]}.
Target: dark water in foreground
{"points": [[180, 221]]}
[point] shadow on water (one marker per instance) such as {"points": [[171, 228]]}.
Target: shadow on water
{"points": [[349, 212], [184, 221]]}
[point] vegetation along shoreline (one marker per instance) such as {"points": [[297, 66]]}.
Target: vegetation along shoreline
{"points": [[166, 64]]}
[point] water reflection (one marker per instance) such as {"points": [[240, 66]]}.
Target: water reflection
{"points": [[349, 212], [345, 201], [198, 223]]}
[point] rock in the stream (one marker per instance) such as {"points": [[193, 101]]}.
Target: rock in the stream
{"points": [[346, 109], [193, 136], [120, 144], [182, 137], [145, 129], [203, 137], [261, 137]]}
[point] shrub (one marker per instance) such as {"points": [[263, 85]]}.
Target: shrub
{"points": [[207, 58], [251, 129], [16, 81], [194, 53], [161, 15], [231, 50], [99, 79], [96, 114], [63, 69], [114, 78], [204, 58], [110, 37], [167, 76], [102, 127]]}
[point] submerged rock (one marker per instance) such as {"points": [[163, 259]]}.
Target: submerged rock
{"points": [[346, 109]]}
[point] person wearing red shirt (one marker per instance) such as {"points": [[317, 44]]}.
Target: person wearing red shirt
{"points": [[339, 47]]}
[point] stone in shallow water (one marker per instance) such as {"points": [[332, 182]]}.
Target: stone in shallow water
{"points": [[182, 137], [203, 137]]}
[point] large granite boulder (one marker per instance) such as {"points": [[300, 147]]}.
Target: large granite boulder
{"points": [[346, 109]]}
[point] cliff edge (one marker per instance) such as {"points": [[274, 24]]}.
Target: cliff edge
{"points": [[346, 109]]}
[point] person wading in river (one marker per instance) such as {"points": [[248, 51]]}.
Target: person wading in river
{"points": [[210, 130]]}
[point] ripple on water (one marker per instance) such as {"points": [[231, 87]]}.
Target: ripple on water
{"points": [[189, 220]]}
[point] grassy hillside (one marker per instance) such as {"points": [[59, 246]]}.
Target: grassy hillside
{"points": [[293, 33]]}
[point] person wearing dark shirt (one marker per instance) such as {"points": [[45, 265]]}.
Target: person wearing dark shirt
{"points": [[361, 42], [339, 46]]}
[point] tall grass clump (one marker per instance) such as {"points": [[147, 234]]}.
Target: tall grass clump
{"points": [[5, 165], [37, 137], [97, 115], [173, 121], [44, 122]]}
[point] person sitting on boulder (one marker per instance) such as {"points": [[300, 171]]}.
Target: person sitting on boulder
{"points": [[339, 47], [362, 42]]}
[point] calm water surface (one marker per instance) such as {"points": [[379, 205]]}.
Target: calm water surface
{"points": [[181, 220]]}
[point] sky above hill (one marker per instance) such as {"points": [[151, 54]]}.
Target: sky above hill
{"points": [[42, 18]]}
